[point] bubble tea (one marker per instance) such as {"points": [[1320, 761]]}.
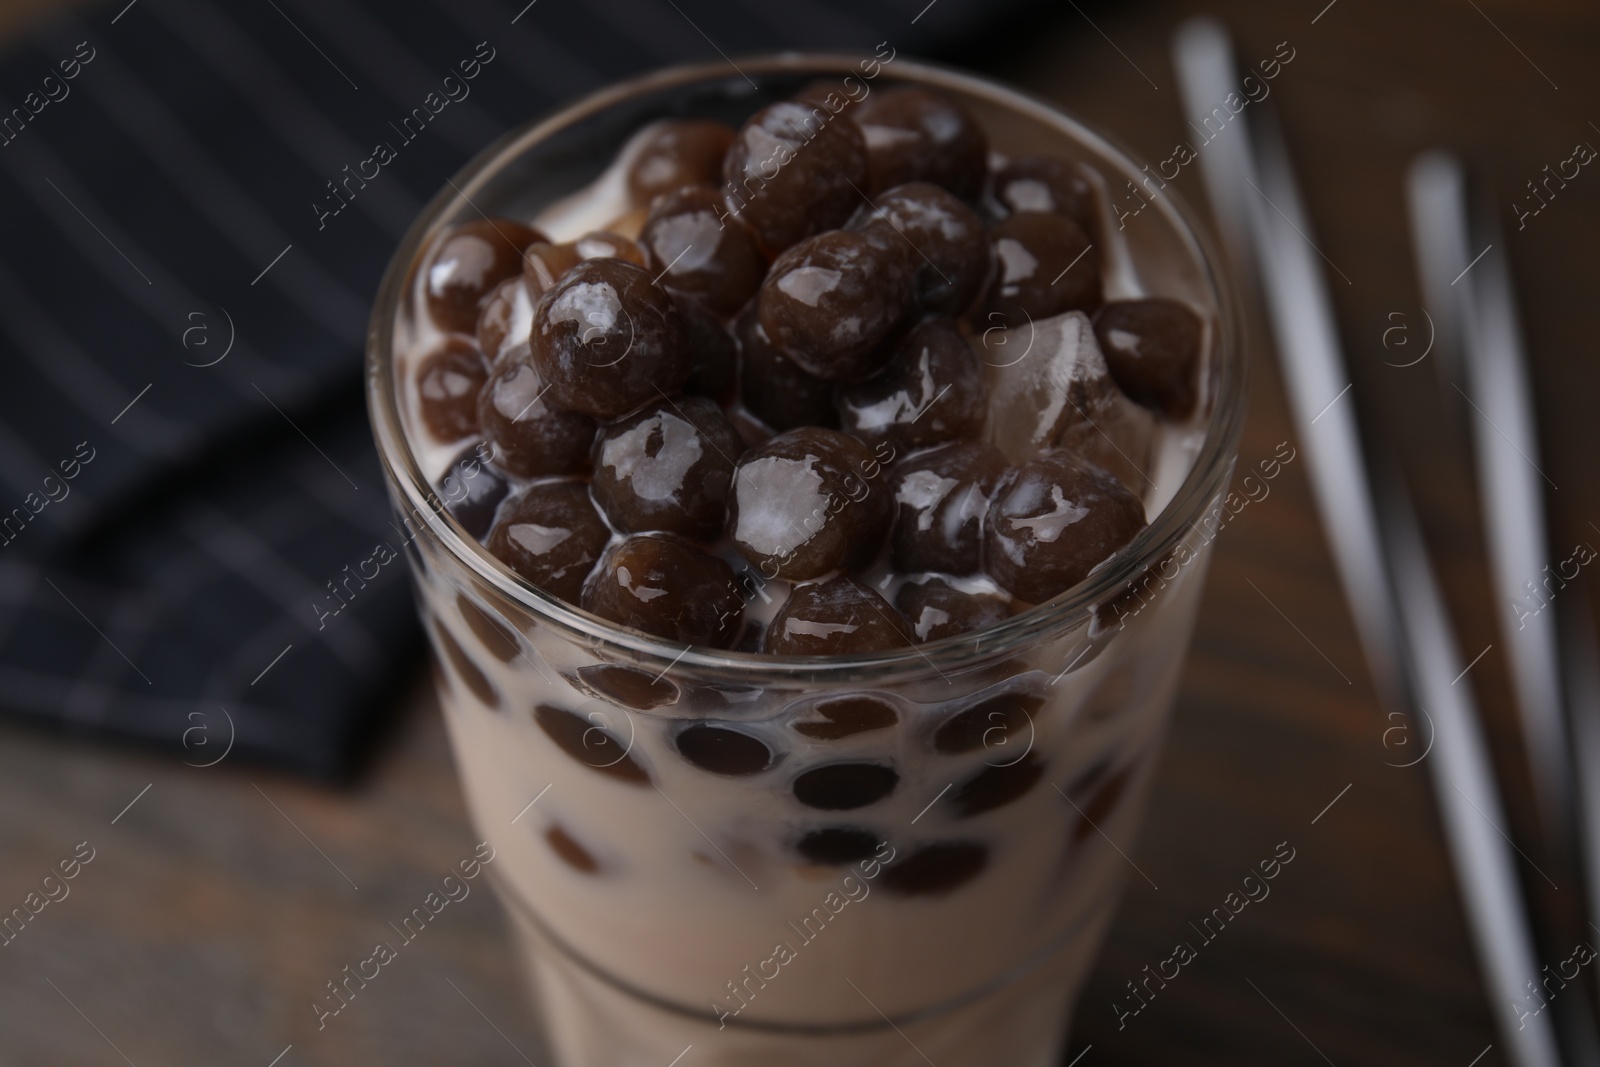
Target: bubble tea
{"points": [[787, 506]]}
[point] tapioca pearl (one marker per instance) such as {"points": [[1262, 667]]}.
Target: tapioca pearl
{"points": [[935, 869], [1046, 185], [601, 244], [469, 672], [950, 254], [697, 252], [590, 742], [544, 264], [551, 535], [472, 490], [1099, 806], [997, 785], [791, 172], [677, 152], [564, 845], [666, 587], [1153, 349], [723, 751], [713, 353], [1044, 265], [935, 610], [506, 317], [998, 723], [1054, 520], [831, 302], [845, 717], [667, 467], [532, 437], [835, 96], [448, 380], [915, 134], [836, 617], [940, 499], [774, 388], [606, 339], [835, 846], [495, 636], [807, 502], [845, 786], [931, 391], [468, 264], [628, 686]]}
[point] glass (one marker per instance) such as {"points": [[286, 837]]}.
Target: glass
{"points": [[974, 785]]}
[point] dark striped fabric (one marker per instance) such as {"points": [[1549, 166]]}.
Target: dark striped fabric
{"points": [[185, 466]]}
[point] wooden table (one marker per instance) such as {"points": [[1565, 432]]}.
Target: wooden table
{"points": [[221, 901]]}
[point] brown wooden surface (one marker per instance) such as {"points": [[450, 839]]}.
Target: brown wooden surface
{"points": [[207, 920]]}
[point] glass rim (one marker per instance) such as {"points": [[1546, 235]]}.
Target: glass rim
{"points": [[1212, 464]]}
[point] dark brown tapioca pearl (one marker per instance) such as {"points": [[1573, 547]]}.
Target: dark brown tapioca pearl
{"points": [[1046, 185], [495, 636], [994, 723], [935, 610], [931, 391], [917, 135], [628, 686], [469, 672], [772, 387], [448, 380], [941, 498], [568, 848], [543, 264], [1052, 521], [600, 244], [591, 742], [497, 322], [1099, 806], [1153, 349], [835, 846], [472, 490], [723, 751], [830, 302], [713, 353], [950, 254], [551, 535], [834, 618], [606, 339], [696, 252], [666, 587], [791, 173], [845, 786], [1044, 265], [935, 869], [996, 786], [473, 259], [807, 502], [667, 467], [532, 437], [676, 152], [846, 717]]}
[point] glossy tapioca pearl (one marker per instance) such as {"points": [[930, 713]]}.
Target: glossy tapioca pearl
{"points": [[935, 869], [602, 244], [845, 786], [666, 587], [1046, 185], [916, 135], [697, 251], [551, 535], [941, 498], [950, 255], [835, 846], [997, 785], [1044, 265], [470, 673], [506, 316], [932, 390], [532, 437], [772, 387], [1153, 349], [543, 264], [934, 610], [597, 740], [841, 717], [628, 686], [448, 380], [606, 339], [677, 152], [1054, 520], [467, 265], [667, 467], [1001, 723], [721, 750], [713, 353], [497, 638], [807, 502], [792, 172], [837, 617], [472, 490], [831, 302]]}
